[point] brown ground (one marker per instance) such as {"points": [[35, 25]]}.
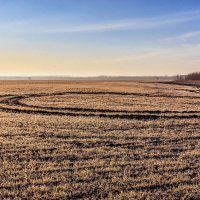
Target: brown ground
{"points": [[99, 140]]}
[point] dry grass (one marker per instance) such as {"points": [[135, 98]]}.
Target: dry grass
{"points": [[99, 140]]}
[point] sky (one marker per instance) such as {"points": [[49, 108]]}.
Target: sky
{"points": [[99, 37]]}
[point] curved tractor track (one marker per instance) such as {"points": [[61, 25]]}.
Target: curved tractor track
{"points": [[14, 104]]}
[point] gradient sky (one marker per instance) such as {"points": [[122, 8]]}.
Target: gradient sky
{"points": [[99, 37]]}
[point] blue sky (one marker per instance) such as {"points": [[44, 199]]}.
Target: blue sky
{"points": [[99, 37]]}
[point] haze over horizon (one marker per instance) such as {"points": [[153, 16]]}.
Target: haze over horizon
{"points": [[93, 38]]}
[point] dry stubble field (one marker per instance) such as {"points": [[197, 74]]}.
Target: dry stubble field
{"points": [[99, 140]]}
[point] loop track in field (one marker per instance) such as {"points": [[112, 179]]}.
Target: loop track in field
{"points": [[14, 104]]}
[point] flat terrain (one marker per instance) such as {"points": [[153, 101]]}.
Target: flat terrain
{"points": [[99, 140]]}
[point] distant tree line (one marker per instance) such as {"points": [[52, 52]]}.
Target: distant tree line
{"points": [[192, 76]]}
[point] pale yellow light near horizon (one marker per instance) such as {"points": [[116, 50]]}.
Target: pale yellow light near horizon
{"points": [[35, 64]]}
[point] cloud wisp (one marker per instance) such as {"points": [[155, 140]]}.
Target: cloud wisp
{"points": [[133, 24], [182, 37], [130, 24], [189, 52]]}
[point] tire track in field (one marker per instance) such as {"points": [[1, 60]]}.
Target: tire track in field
{"points": [[89, 112]]}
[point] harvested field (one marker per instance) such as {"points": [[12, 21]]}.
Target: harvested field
{"points": [[99, 140]]}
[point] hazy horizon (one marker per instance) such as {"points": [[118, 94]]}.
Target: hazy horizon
{"points": [[99, 38]]}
